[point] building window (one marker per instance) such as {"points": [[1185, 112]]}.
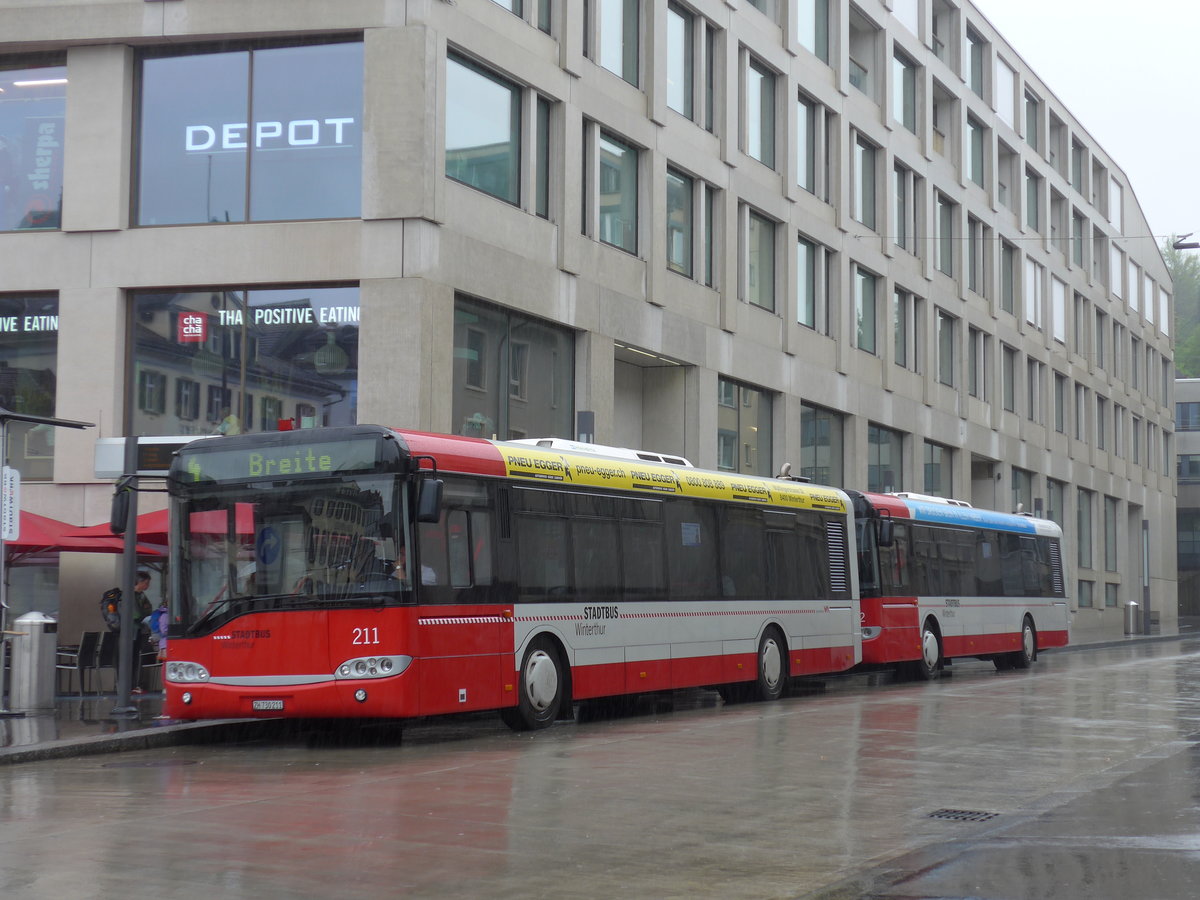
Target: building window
{"points": [[885, 459], [1033, 200], [1008, 378], [1056, 501], [944, 252], [904, 91], [743, 428], [152, 387], [864, 182], [617, 192], [1101, 423], [1022, 490], [297, 344], [1081, 399], [1187, 416], [906, 330], [614, 33], [679, 222], [806, 144], [1058, 311], [513, 375], [1034, 306], [29, 378], [907, 203], [483, 130], [33, 107], [680, 60], [1086, 589], [977, 344], [938, 472], [768, 8], [806, 283], [760, 113], [1033, 113], [821, 447], [1083, 525], [1189, 468], [1006, 175], [255, 135], [864, 38], [976, 62], [760, 261], [946, 336], [1034, 375], [976, 141], [1111, 507], [978, 240], [864, 310], [1060, 403], [1008, 277], [1006, 92], [812, 27]]}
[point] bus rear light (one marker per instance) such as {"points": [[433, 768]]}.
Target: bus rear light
{"points": [[372, 667], [183, 672]]}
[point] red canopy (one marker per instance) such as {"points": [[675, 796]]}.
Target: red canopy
{"points": [[42, 534], [152, 526]]}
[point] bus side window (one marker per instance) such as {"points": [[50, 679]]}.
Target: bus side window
{"points": [[458, 545], [481, 546]]}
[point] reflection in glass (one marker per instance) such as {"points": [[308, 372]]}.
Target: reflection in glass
{"points": [[679, 222], [483, 127], [234, 361], [760, 262], [28, 379], [304, 144], [618, 193], [32, 115], [679, 60]]}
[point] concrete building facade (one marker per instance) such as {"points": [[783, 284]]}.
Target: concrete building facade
{"points": [[861, 238]]}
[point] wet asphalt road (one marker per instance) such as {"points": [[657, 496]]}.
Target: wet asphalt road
{"points": [[1074, 779]]}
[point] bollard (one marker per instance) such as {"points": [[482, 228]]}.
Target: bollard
{"points": [[1131, 618], [34, 645]]}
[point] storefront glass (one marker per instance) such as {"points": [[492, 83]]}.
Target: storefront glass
{"points": [[229, 361], [33, 104], [28, 378], [256, 135]]}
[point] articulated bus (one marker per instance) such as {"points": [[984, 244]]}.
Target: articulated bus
{"points": [[940, 579], [363, 571]]}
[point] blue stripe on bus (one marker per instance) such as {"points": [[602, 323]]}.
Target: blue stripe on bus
{"points": [[968, 516]]}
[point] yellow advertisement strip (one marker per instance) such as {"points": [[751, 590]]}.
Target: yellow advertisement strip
{"points": [[587, 471]]}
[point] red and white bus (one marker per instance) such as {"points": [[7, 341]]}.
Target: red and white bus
{"points": [[940, 579], [368, 572]]}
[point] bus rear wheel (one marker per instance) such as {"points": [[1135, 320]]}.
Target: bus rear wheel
{"points": [[540, 688], [772, 666], [1023, 658]]}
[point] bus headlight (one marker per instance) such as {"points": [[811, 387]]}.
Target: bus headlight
{"points": [[183, 672], [372, 667]]}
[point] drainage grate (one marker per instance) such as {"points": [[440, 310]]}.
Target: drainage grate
{"points": [[963, 815]]}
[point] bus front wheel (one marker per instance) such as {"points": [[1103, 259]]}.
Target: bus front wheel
{"points": [[540, 688], [929, 666]]}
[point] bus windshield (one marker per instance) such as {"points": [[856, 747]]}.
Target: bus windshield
{"points": [[258, 547]]}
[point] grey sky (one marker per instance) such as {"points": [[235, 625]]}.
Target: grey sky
{"points": [[1127, 73]]}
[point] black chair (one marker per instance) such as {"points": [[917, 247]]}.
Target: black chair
{"points": [[106, 656], [79, 659]]}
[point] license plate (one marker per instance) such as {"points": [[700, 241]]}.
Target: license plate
{"points": [[266, 704]]}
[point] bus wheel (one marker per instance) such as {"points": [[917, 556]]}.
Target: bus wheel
{"points": [[772, 666], [929, 666], [1023, 658], [540, 689]]}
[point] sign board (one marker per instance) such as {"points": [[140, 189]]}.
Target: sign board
{"points": [[10, 504], [153, 457]]}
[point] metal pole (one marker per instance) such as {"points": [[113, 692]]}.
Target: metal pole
{"points": [[4, 711], [125, 637]]}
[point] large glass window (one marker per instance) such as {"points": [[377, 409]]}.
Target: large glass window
{"points": [[885, 459], [28, 379], [33, 104], [821, 451], [483, 130], [938, 473], [228, 361], [904, 91], [864, 183], [743, 428], [252, 135], [864, 310], [812, 27], [513, 375]]}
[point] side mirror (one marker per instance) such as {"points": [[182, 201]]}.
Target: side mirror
{"points": [[429, 501], [885, 532], [118, 515]]}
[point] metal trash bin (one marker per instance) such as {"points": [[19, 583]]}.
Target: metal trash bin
{"points": [[1132, 618], [33, 651]]}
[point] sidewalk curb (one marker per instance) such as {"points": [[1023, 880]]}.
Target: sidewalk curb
{"points": [[167, 735]]}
